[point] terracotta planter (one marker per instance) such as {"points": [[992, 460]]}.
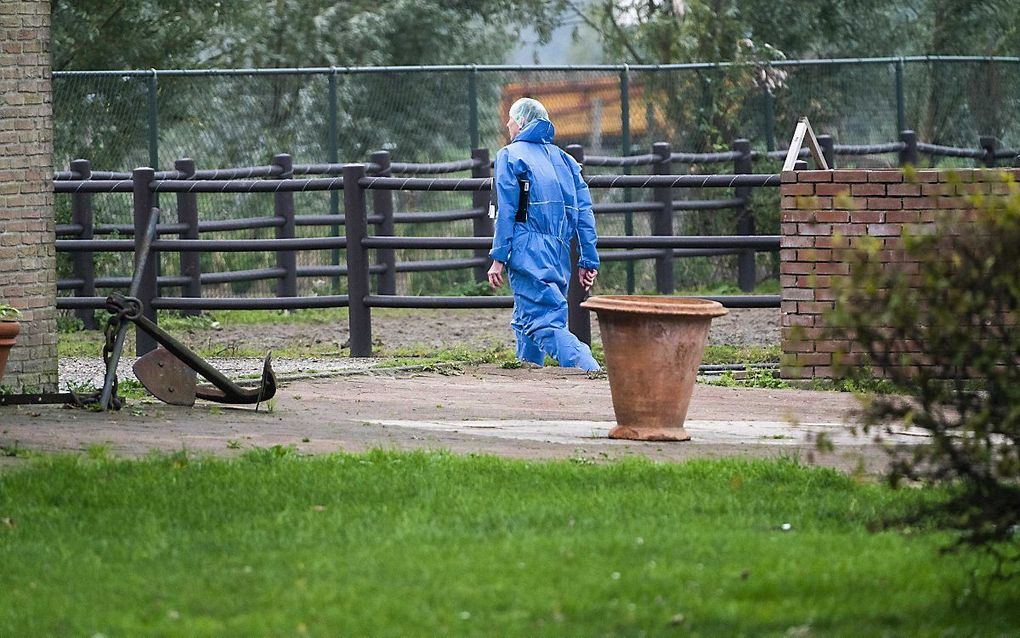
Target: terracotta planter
{"points": [[8, 335], [653, 349]]}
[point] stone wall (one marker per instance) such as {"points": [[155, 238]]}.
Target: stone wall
{"points": [[818, 206], [27, 252]]}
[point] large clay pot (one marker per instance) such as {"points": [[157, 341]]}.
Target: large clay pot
{"points": [[8, 334], [653, 349]]}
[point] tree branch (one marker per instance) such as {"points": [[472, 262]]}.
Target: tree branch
{"points": [[621, 34], [607, 14], [73, 53]]}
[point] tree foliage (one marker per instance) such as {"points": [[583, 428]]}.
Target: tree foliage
{"points": [[274, 113], [713, 107], [948, 336], [702, 110], [673, 31], [141, 34]]}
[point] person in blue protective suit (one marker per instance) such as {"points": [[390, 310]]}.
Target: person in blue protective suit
{"points": [[542, 203]]}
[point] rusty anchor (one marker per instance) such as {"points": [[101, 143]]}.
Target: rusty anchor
{"points": [[169, 372]]}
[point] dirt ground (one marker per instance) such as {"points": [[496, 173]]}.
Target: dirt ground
{"points": [[534, 414], [474, 328]]}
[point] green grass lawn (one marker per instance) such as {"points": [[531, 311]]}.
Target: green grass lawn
{"points": [[430, 543]]}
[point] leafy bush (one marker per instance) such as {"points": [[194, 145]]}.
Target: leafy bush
{"points": [[946, 334]]}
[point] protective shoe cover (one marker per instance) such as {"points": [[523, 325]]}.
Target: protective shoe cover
{"points": [[537, 252]]}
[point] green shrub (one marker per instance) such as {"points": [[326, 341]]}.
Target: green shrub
{"points": [[947, 337]]}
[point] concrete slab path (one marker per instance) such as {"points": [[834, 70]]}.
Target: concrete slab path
{"points": [[535, 414]]}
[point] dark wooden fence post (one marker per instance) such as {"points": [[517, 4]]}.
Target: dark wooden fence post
{"points": [[283, 205], [482, 225], [909, 153], [662, 221], [828, 149], [82, 263], [144, 201], [187, 213], [746, 275], [989, 144], [382, 205], [578, 319], [356, 227]]}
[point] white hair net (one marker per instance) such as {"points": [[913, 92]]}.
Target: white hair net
{"points": [[526, 109]]}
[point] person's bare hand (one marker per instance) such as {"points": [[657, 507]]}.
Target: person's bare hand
{"points": [[587, 278], [496, 274]]}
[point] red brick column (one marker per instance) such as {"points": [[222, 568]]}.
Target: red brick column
{"points": [[27, 252], [822, 210]]}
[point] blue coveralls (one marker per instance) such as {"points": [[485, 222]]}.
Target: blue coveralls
{"points": [[537, 252]]}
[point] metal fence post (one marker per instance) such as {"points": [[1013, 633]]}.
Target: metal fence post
{"points": [[283, 205], [82, 264], [153, 118], [901, 107], [989, 144], [746, 271], [382, 205], [356, 227], [628, 217], [662, 221], [473, 108], [828, 150], [187, 213], [333, 156], [909, 153], [141, 179], [578, 319], [482, 224]]}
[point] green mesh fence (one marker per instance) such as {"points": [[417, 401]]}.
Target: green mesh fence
{"points": [[101, 118], [229, 118], [223, 119]]}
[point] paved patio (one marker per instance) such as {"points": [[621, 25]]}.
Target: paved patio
{"points": [[548, 413]]}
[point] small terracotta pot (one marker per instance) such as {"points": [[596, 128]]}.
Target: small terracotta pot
{"points": [[653, 349], [8, 335]]}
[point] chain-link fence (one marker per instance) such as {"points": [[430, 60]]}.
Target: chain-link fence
{"points": [[120, 120], [227, 118]]}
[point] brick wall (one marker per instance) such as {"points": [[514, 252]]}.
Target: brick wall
{"points": [[820, 205], [27, 252]]}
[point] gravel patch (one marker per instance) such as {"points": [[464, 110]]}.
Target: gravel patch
{"points": [[77, 371], [476, 329]]}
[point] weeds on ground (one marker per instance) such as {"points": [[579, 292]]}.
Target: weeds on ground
{"points": [[13, 450], [749, 378], [131, 389], [68, 323], [99, 452], [862, 385], [447, 368], [174, 321], [727, 354], [269, 454], [456, 354]]}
